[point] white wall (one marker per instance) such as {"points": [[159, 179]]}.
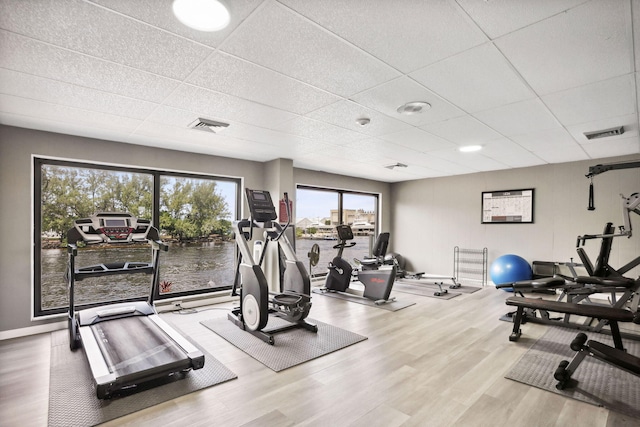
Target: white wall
{"points": [[432, 216]]}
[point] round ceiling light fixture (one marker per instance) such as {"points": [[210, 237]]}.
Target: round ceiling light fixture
{"points": [[470, 148], [363, 121], [415, 107], [202, 15]]}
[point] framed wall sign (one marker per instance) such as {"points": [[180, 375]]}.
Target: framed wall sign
{"points": [[507, 207]]}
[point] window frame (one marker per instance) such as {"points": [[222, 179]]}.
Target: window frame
{"points": [[40, 161], [341, 193]]}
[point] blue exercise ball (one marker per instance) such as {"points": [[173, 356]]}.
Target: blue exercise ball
{"points": [[510, 268]]}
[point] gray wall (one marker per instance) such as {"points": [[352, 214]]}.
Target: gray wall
{"points": [[432, 216], [17, 146]]}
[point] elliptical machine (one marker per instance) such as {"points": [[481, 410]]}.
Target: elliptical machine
{"points": [[377, 281], [293, 302]]}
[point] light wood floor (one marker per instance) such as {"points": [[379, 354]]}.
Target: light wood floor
{"points": [[437, 363]]}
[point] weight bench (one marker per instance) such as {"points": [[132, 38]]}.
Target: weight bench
{"points": [[613, 356], [608, 315], [622, 290]]}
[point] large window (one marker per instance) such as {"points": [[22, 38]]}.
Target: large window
{"points": [[192, 212], [319, 210]]}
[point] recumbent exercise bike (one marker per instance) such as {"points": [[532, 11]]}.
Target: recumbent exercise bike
{"points": [[377, 281]]}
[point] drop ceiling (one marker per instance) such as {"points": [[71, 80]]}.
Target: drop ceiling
{"points": [[524, 79]]}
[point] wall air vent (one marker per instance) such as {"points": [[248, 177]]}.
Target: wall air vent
{"points": [[605, 133], [396, 165], [209, 125]]}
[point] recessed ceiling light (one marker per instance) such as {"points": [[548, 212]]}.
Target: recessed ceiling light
{"points": [[415, 107], [363, 121], [470, 148], [202, 15]]}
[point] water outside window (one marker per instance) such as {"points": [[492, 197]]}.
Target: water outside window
{"points": [[195, 218]]}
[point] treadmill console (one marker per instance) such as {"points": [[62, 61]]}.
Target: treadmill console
{"points": [[111, 227], [261, 205]]}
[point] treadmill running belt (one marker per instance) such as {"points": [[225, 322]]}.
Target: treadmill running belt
{"points": [[135, 344]]}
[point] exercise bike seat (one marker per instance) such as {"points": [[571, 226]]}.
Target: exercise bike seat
{"points": [[379, 251], [370, 261]]}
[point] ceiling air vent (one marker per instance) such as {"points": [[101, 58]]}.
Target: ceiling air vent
{"points": [[605, 133], [396, 165], [208, 125]]}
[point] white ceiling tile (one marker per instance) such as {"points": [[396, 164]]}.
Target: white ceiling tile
{"points": [[90, 29], [518, 118], [563, 154], [41, 110], [159, 14], [629, 123], [546, 140], [177, 117], [55, 92], [208, 104], [310, 51], [387, 97], [234, 76], [499, 17], [321, 131], [465, 130], [583, 45], [26, 55], [475, 80], [474, 161], [165, 136], [510, 153], [363, 151], [407, 35], [601, 100], [440, 164], [418, 140], [345, 113], [611, 148], [419, 172], [325, 163], [66, 127], [261, 135]]}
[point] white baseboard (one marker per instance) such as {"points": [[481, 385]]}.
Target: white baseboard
{"points": [[32, 330]]}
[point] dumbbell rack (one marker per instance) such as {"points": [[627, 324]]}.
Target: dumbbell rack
{"points": [[470, 264]]}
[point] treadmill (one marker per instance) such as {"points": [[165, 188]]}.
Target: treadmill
{"points": [[127, 344]]}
